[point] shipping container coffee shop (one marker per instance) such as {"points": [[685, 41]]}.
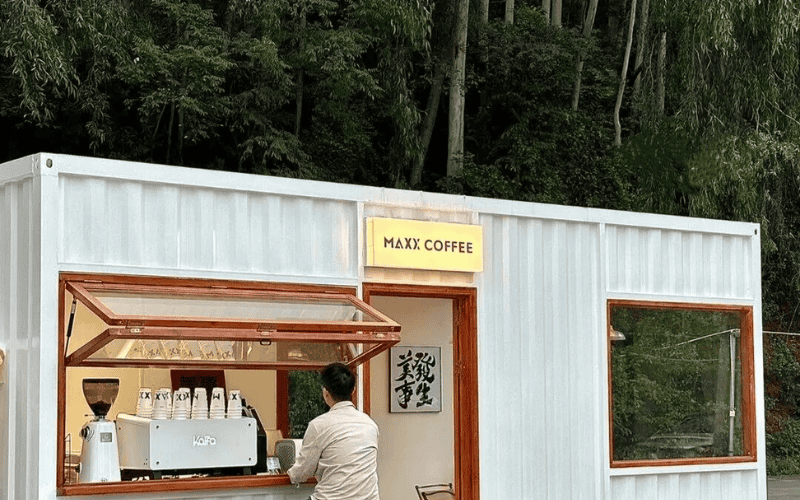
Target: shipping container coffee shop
{"points": [[514, 350]]}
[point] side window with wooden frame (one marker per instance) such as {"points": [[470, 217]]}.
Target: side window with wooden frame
{"points": [[682, 383]]}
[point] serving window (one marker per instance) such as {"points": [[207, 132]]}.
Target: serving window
{"points": [[144, 331], [682, 383]]}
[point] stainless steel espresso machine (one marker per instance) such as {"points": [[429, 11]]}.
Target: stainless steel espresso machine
{"points": [[99, 453]]}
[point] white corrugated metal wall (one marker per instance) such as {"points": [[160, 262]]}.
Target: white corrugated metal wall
{"points": [[538, 316], [663, 264], [129, 224], [696, 265], [543, 369], [20, 335], [548, 271]]}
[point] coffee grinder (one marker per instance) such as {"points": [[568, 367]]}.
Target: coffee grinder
{"points": [[99, 454]]}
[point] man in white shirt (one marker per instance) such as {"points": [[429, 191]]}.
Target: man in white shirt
{"points": [[340, 447]]}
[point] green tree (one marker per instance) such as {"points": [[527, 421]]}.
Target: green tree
{"points": [[177, 74]]}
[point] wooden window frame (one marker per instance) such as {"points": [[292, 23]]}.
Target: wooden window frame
{"points": [[163, 485], [465, 374], [746, 353]]}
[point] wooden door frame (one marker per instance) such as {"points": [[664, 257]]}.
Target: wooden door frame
{"points": [[465, 374]]}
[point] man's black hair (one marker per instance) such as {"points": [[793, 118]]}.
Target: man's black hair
{"points": [[339, 380]]}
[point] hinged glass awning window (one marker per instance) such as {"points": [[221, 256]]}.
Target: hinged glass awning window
{"points": [[205, 324]]}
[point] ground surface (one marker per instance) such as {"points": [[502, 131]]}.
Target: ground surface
{"points": [[783, 488]]}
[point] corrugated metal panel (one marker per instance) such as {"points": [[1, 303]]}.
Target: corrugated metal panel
{"points": [[274, 493], [20, 333], [733, 485], [665, 262], [541, 305], [538, 325], [128, 223]]}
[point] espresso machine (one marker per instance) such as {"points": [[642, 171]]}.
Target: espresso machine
{"points": [[99, 453]]}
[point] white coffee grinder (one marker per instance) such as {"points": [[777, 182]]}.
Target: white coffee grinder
{"points": [[99, 454]]}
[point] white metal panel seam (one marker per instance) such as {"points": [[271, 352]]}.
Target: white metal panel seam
{"points": [[15, 350], [360, 262], [602, 414], [758, 367], [46, 297]]}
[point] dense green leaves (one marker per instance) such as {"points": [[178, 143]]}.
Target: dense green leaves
{"points": [[36, 59], [305, 401]]}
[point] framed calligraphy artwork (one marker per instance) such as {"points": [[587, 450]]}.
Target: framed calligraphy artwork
{"points": [[415, 375]]}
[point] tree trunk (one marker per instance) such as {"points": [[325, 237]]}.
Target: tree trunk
{"points": [[180, 135], [169, 130], [228, 20], [588, 25], [510, 11], [442, 65], [298, 92], [555, 13], [624, 76], [181, 129], [298, 97], [482, 39], [662, 61], [430, 120], [546, 8], [641, 48], [455, 139], [484, 11]]}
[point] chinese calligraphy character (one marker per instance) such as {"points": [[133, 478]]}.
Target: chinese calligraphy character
{"points": [[415, 377], [405, 389]]}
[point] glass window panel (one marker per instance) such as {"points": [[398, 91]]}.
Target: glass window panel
{"points": [[676, 383], [224, 351], [254, 308], [305, 401]]}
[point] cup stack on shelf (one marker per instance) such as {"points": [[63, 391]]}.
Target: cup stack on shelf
{"points": [[144, 406], [162, 406], [181, 404], [234, 404], [199, 404], [217, 408]]}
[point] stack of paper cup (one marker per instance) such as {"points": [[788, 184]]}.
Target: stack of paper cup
{"points": [[162, 406], [144, 406], [181, 404], [200, 403], [217, 407], [234, 404]]}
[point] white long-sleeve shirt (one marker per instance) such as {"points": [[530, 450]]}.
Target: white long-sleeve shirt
{"points": [[340, 449]]}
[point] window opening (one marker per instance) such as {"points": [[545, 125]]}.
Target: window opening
{"points": [[679, 383], [153, 332]]}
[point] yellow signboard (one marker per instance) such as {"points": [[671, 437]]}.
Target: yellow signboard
{"points": [[414, 244]]}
